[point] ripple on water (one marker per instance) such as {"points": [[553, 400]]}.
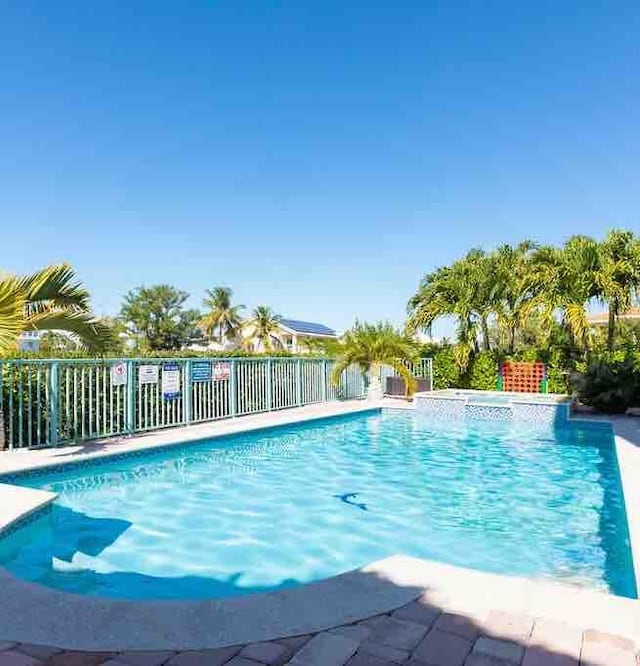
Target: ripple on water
{"points": [[274, 508]]}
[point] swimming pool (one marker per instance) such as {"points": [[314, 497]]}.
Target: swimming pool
{"points": [[285, 506]]}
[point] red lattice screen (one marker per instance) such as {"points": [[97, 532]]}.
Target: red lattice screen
{"points": [[522, 377]]}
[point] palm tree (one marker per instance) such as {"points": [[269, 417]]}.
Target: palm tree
{"points": [[618, 277], [467, 291], [515, 297], [223, 321], [371, 346], [263, 327], [565, 280], [51, 299]]}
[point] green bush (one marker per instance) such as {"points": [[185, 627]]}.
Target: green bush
{"points": [[445, 370], [484, 372], [610, 383], [185, 353], [559, 368]]}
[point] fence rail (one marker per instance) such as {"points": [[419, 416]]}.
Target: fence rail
{"points": [[52, 402], [422, 369]]}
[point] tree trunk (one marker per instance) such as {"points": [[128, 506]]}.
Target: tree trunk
{"points": [[512, 339], [3, 442], [611, 326], [485, 334]]}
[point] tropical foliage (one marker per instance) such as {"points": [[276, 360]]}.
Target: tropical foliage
{"points": [[610, 383], [261, 329], [155, 318], [371, 346], [529, 295], [222, 321], [51, 299]]}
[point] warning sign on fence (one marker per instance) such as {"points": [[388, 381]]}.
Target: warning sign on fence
{"points": [[148, 374], [221, 371], [170, 381], [119, 374], [200, 371]]}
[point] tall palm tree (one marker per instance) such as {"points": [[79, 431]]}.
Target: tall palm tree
{"points": [[263, 327], [371, 346], [223, 320], [618, 277], [467, 291], [565, 280], [515, 297], [51, 299], [481, 273]]}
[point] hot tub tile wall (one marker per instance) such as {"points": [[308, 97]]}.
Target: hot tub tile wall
{"points": [[445, 408], [528, 412], [538, 413], [489, 412]]}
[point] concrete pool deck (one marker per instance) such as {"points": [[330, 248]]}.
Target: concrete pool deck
{"points": [[602, 626]]}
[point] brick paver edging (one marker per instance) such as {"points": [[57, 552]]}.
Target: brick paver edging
{"points": [[416, 634]]}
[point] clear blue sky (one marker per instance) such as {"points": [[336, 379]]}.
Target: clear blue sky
{"points": [[318, 157]]}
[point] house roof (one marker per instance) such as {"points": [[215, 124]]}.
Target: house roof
{"points": [[631, 314], [307, 327]]}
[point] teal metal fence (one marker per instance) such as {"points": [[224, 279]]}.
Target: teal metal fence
{"points": [[422, 369], [53, 402]]}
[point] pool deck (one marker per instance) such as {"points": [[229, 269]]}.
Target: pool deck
{"points": [[426, 613]]}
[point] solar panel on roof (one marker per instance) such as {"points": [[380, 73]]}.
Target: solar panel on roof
{"points": [[307, 327]]}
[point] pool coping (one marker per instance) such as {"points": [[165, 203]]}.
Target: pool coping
{"points": [[34, 613]]}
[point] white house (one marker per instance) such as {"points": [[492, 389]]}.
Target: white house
{"points": [[295, 334], [602, 318], [29, 341], [291, 335]]}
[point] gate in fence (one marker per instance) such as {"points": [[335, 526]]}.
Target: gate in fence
{"points": [[52, 402]]}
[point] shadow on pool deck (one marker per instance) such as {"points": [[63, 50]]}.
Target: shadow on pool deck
{"points": [[427, 631]]}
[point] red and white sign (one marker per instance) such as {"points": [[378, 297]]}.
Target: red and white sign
{"points": [[221, 371], [119, 374]]}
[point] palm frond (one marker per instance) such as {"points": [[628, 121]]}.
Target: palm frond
{"points": [[12, 304], [57, 284], [89, 332]]}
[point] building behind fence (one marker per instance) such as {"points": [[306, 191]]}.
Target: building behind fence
{"points": [[50, 402]]}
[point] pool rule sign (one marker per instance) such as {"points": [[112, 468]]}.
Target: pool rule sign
{"points": [[200, 371], [170, 381]]}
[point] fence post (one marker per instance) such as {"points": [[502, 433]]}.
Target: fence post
{"points": [[269, 384], [54, 386], [188, 392], [131, 398], [324, 380], [233, 393], [298, 381]]}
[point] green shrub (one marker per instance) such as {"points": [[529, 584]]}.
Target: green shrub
{"points": [[445, 370], [559, 369], [484, 372], [611, 383]]}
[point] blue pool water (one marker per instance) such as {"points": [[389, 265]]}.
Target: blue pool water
{"points": [[286, 506]]}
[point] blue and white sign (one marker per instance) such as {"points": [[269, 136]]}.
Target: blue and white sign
{"points": [[170, 381], [200, 371]]}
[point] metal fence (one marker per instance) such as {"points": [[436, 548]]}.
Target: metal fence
{"points": [[52, 402], [422, 369]]}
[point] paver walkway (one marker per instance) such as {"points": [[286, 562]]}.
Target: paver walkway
{"points": [[416, 634]]}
